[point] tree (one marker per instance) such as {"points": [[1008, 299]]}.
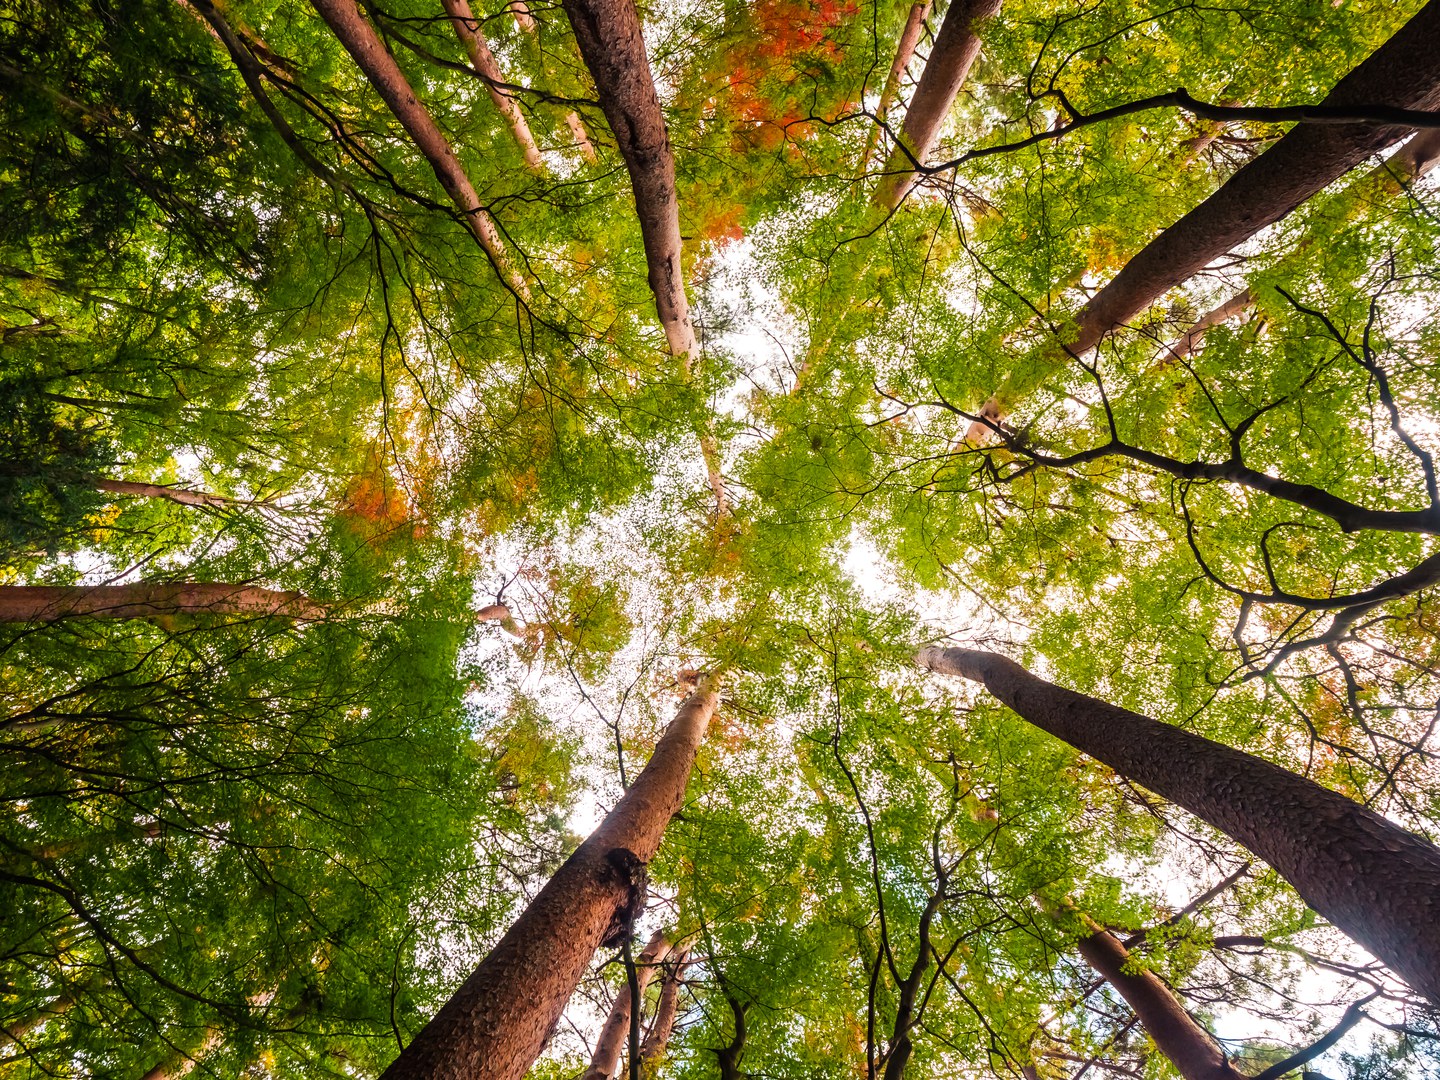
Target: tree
{"points": [[349, 311], [1371, 878], [503, 1013]]}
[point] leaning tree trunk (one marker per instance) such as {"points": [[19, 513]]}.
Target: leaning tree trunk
{"points": [[956, 46], [468, 30], [497, 1022], [1176, 1034], [605, 1061], [1375, 881], [904, 53], [609, 35], [47, 603], [1403, 73], [371, 56], [1408, 164]]}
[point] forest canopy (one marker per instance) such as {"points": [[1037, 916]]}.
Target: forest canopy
{"points": [[749, 539]]}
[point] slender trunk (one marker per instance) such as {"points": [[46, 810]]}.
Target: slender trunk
{"points": [[1404, 72], [498, 1020], [1412, 161], [609, 35], [904, 53], [526, 22], [47, 603], [666, 1010], [956, 46], [371, 56], [728, 1057], [1374, 880], [1176, 1034], [605, 1062], [467, 28]]}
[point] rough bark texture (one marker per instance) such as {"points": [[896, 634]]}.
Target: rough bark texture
{"points": [[467, 28], [904, 53], [666, 1010], [1371, 878], [1412, 161], [608, 33], [1404, 72], [1176, 1034], [371, 56], [47, 603], [495, 1025], [956, 46], [605, 1061]]}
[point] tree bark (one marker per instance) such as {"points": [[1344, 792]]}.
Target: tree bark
{"points": [[371, 56], [1374, 880], [1412, 161], [497, 1022], [48, 603], [956, 46], [467, 28], [1176, 1034], [609, 35], [605, 1061], [1404, 72], [904, 53], [666, 1010]]}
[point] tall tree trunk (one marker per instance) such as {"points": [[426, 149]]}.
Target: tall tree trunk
{"points": [[904, 53], [1371, 878], [605, 1061], [1176, 1034], [609, 35], [956, 46], [371, 56], [467, 28], [1404, 72], [666, 1010], [1412, 161], [497, 1022], [47, 603]]}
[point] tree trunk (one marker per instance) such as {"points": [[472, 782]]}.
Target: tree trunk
{"points": [[956, 46], [526, 22], [1176, 1034], [609, 35], [467, 28], [1404, 72], [47, 603], [498, 1020], [184, 496], [1412, 161], [666, 1011], [728, 1057], [1375, 881], [605, 1062], [904, 53], [371, 56]]}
